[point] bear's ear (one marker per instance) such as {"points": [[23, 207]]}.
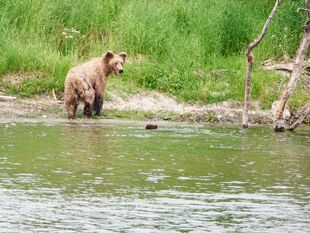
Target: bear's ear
{"points": [[108, 55], [123, 55]]}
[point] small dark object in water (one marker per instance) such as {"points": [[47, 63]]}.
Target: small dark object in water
{"points": [[151, 126]]}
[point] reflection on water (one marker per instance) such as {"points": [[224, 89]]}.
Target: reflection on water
{"points": [[90, 178]]}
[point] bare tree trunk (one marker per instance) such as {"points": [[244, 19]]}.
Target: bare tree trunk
{"points": [[296, 72], [304, 112], [250, 60]]}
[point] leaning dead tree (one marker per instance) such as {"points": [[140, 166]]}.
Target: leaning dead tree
{"points": [[296, 72], [250, 61]]}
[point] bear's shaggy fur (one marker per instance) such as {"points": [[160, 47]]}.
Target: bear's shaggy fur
{"points": [[86, 82]]}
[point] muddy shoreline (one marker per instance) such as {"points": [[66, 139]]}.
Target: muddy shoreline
{"points": [[150, 106], [141, 106]]}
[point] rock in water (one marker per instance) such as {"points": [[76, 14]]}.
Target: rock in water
{"points": [[151, 126]]}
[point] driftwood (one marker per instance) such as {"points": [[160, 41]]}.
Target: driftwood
{"points": [[304, 112], [296, 73], [7, 98], [285, 67], [250, 61]]}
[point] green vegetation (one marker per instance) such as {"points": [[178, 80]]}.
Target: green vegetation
{"points": [[191, 49]]}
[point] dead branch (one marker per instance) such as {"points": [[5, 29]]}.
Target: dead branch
{"points": [[7, 98], [304, 112], [250, 61]]}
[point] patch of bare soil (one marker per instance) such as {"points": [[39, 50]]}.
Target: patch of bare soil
{"points": [[30, 108], [228, 111]]}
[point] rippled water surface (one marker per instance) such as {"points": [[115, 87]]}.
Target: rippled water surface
{"points": [[120, 177]]}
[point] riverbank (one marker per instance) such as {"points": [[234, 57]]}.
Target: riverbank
{"points": [[184, 54], [147, 105]]}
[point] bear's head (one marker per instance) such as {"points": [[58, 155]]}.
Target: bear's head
{"points": [[115, 62]]}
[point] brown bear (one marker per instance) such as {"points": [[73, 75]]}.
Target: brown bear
{"points": [[86, 82]]}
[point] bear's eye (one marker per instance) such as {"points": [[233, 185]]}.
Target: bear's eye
{"points": [[115, 63]]}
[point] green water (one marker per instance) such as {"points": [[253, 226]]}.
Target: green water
{"points": [[101, 177]]}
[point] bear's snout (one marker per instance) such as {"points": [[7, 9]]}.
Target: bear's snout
{"points": [[120, 71]]}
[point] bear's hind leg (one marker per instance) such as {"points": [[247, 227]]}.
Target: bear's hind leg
{"points": [[98, 104], [89, 101]]}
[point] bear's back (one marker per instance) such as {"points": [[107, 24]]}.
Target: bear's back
{"points": [[92, 70]]}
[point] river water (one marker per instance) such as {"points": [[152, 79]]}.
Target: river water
{"points": [[119, 177]]}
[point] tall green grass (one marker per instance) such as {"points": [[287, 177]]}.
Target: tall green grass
{"points": [[191, 49]]}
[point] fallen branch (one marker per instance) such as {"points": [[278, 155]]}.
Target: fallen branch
{"points": [[250, 60], [7, 98], [54, 95], [303, 9], [304, 112], [288, 67]]}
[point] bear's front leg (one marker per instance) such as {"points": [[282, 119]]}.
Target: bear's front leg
{"points": [[98, 104], [87, 110], [72, 110]]}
